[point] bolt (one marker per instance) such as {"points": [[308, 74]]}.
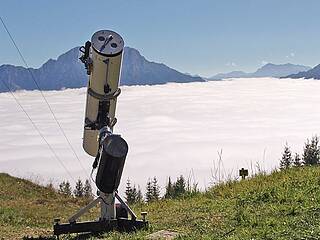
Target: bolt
{"points": [[144, 214], [56, 220]]}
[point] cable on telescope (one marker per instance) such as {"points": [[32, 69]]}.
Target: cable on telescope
{"points": [[38, 130], [43, 96]]}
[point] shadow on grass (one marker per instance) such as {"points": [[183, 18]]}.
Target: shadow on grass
{"points": [[40, 238], [76, 237]]}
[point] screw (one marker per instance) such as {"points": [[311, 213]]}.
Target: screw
{"points": [[144, 214], [56, 220]]}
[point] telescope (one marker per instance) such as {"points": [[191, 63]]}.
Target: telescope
{"points": [[102, 57]]}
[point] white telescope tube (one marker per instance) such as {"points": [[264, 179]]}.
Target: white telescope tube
{"points": [[104, 66]]}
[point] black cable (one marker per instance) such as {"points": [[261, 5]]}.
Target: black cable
{"points": [[45, 99]]}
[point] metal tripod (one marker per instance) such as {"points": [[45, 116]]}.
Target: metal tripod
{"points": [[108, 220]]}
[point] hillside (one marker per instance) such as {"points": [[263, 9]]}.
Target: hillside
{"points": [[283, 205], [68, 72], [29, 209]]}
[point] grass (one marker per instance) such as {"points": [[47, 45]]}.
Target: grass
{"points": [[282, 205]]}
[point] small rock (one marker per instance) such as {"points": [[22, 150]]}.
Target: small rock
{"points": [[163, 234]]}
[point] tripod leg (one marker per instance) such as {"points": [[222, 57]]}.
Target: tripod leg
{"points": [[133, 216], [83, 210]]}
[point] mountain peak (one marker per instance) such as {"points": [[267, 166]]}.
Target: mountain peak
{"points": [[68, 72], [70, 56], [137, 70], [131, 50], [279, 70]]}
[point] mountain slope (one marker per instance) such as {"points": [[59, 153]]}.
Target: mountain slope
{"points": [[139, 71], [279, 70], [268, 70], [68, 72], [283, 205], [233, 74], [312, 73]]}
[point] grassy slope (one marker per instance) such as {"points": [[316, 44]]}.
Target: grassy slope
{"points": [[29, 209], [283, 205]]}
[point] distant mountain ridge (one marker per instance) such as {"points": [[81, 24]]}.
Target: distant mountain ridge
{"points": [[68, 72], [268, 70], [233, 74], [312, 73]]}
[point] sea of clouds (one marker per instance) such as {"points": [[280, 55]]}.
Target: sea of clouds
{"points": [[171, 129]]}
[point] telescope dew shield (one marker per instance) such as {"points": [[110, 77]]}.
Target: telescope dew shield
{"points": [[113, 154], [103, 65]]}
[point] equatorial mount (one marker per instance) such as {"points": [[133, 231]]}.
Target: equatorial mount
{"points": [[102, 59]]}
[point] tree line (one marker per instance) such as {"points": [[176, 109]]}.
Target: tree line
{"points": [[80, 190], [310, 155], [173, 189], [133, 194]]}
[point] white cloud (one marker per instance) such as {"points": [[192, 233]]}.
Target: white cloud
{"points": [[171, 129], [264, 62], [231, 64], [291, 55]]}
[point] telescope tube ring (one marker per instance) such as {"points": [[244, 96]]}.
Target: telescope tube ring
{"points": [[104, 97]]}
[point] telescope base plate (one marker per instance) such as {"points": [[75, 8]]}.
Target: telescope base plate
{"points": [[95, 227]]}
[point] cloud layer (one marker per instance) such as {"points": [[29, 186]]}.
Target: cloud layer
{"points": [[171, 129]]}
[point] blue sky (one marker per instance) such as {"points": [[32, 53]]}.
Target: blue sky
{"points": [[200, 37]]}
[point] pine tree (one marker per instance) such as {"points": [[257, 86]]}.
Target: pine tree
{"points": [[130, 193], [180, 187], [149, 191], [134, 194], [65, 188], [61, 187], [297, 160], [311, 152], [139, 196], [50, 186], [286, 160], [169, 189], [155, 189], [68, 190], [87, 189], [79, 189]]}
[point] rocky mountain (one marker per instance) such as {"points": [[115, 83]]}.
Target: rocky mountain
{"points": [[233, 74], [268, 70], [312, 73], [137, 70], [68, 72], [279, 70]]}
